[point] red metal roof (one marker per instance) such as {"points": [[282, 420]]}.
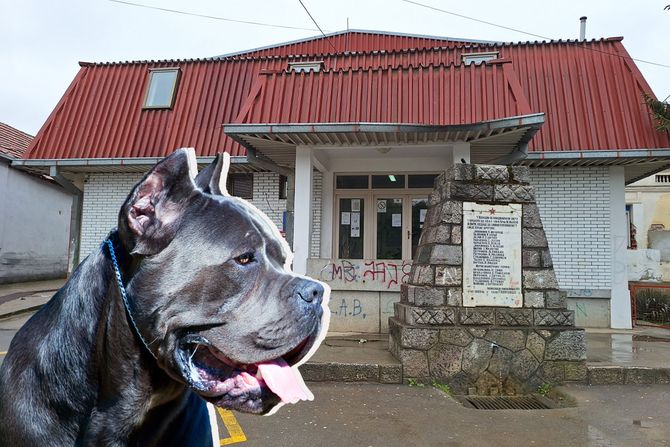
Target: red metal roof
{"points": [[13, 142], [354, 40], [432, 94], [590, 93]]}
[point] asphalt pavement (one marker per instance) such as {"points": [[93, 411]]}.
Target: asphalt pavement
{"points": [[385, 415]]}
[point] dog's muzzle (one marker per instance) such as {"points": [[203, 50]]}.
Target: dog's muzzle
{"points": [[260, 386]]}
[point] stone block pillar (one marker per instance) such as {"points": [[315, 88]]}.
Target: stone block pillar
{"points": [[463, 319]]}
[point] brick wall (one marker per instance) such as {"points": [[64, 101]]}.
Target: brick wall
{"points": [[266, 196], [317, 188], [104, 194], [575, 208]]}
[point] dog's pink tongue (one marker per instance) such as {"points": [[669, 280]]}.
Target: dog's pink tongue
{"points": [[284, 381]]}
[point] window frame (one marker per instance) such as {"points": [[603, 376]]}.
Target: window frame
{"points": [[173, 91]]}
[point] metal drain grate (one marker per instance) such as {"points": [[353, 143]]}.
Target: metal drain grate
{"points": [[507, 403]]}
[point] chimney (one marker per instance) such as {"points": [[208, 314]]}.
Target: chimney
{"points": [[582, 28]]}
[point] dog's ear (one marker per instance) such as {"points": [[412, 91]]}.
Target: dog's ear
{"points": [[152, 212], [212, 179]]}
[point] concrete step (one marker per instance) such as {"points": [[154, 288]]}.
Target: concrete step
{"points": [[626, 375], [353, 358]]}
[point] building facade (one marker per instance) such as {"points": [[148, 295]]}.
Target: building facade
{"points": [[343, 146]]}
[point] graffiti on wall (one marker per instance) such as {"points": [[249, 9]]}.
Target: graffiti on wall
{"points": [[361, 274]]}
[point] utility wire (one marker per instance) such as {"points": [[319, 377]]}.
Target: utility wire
{"points": [[474, 19], [317, 25], [246, 22]]}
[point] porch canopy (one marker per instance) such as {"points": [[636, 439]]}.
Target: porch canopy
{"points": [[493, 141]]}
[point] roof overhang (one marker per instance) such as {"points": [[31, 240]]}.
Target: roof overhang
{"points": [[74, 166], [490, 141], [638, 163]]}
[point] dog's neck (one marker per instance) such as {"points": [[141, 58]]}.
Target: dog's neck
{"points": [[144, 386], [126, 384]]}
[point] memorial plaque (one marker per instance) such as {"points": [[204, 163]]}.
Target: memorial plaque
{"points": [[492, 255]]}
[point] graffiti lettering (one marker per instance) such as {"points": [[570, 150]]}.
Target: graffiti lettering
{"points": [[349, 309], [368, 274]]}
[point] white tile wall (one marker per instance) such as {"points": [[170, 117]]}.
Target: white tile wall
{"points": [[575, 209], [104, 194]]}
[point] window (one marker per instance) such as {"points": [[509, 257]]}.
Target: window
{"points": [[662, 178], [352, 181], [283, 187], [478, 58], [388, 181], [241, 185], [305, 66], [162, 88]]}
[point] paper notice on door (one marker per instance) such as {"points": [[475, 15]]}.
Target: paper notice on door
{"points": [[355, 205], [381, 206], [346, 218], [396, 220], [422, 215], [355, 224]]}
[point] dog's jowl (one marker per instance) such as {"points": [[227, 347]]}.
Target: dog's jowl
{"points": [[190, 300]]}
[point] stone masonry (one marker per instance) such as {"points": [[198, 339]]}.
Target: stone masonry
{"points": [[484, 350]]}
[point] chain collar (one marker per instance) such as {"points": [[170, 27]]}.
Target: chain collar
{"points": [[124, 295]]}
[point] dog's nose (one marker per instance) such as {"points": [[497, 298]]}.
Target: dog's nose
{"points": [[310, 291]]}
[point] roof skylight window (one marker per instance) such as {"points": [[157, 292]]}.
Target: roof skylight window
{"points": [[306, 66], [162, 88], [478, 58]]}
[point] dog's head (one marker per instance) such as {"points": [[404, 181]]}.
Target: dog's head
{"points": [[212, 291]]}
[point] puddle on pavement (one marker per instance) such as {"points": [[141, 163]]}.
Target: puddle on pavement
{"points": [[650, 338]]}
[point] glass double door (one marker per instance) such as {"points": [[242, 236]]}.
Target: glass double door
{"points": [[380, 226], [398, 224]]}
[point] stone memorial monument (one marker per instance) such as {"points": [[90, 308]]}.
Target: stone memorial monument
{"points": [[482, 311]]}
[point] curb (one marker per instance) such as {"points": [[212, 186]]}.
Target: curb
{"points": [[25, 310], [392, 374], [626, 375], [351, 372]]}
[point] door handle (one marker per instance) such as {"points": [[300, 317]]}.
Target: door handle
{"points": [[409, 234]]}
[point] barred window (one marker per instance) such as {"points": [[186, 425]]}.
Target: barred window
{"points": [[241, 185]]}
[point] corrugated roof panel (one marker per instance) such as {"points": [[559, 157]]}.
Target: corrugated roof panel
{"points": [[354, 41], [13, 142], [589, 91], [436, 95]]}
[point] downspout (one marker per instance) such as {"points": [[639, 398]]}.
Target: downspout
{"points": [[290, 207], [75, 216]]}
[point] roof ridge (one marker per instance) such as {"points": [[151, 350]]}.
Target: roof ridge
{"points": [[240, 57]]}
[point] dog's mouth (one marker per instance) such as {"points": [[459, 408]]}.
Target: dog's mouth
{"points": [[252, 388]]}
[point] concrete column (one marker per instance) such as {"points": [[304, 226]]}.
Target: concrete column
{"points": [[460, 151], [327, 206], [302, 223], [620, 301]]}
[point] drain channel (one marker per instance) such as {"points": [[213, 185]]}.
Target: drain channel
{"points": [[506, 402]]}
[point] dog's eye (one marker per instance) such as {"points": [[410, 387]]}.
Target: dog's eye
{"points": [[245, 258]]}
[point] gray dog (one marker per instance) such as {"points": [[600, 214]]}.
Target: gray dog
{"points": [[190, 300]]}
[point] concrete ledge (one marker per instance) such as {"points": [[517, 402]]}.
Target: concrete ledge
{"points": [[351, 372], [626, 375]]}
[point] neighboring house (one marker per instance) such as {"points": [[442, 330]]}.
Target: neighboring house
{"points": [[340, 148], [34, 217], [648, 209]]}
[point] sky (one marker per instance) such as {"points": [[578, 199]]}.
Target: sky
{"points": [[41, 42]]}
